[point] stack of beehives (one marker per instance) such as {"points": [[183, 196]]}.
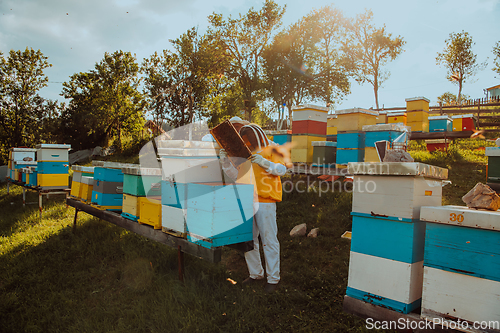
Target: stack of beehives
{"points": [[387, 247], [417, 114], [350, 137], [309, 124], [142, 195], [19, 158], [197, 201], [52, 166]]}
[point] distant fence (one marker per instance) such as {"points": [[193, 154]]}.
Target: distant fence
{"points": [[478, 107]]}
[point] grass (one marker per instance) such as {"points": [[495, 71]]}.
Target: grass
{"points": [[105, 279]]}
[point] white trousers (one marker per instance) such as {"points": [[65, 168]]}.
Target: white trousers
{"points": [[264, 223]]}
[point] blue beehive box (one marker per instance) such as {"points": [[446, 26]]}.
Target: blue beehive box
{"points": [[210, 214], [344, 156], [351, 140], [52, 167], [461, 264], [281, 139], [440, 124], [33, 178], [384, 132], [108, 201], [381, 246]]}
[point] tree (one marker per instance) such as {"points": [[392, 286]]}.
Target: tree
{"points": [[245, 39], [105, 102], [496, 52], [306, 61], [177, 84], [287, 65], [331, 65], [459, 60], [21, 108], [370, 48], [450, 99]]}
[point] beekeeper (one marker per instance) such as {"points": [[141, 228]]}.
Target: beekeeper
{"points": [[266, 169]]}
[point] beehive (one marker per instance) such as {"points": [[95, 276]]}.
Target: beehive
{"points": [[440, 124], [281, 137], [47, 152], [107, 191], [346, 155], [302, 151], [461, 264], [381, 118], [86, 187], [397, 117], [437, 144], [417, 104], [493, 167], [324, 153], [139, 182], [371, 155], [387, 132], [190, 161], [131, 207], [353, 120], [211, 214], [385, 250], [417, 110], [387, 247], [463, 122], [150, 211], [78, 172], [19, 155]]}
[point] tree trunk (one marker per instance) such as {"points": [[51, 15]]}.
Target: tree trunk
{"points": [[459, 97], [375, 90]]}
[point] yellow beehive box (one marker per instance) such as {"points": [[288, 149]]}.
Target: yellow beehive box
{"points": [[397, 117], [381, 118], [131, 204], [353, 120], [331, 131], [75, 189], [371, 154], [59, 180], [419, 126], [457, 124], [332, 121], [304, 141], [301, 155], [86, 187], [417, 116], [150, 211], [417, 103]]}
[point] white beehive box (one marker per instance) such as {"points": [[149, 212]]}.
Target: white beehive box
{"points": [[52, 152], [190, 161], [395, 189]]}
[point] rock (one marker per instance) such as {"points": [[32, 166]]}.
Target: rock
{"points": [[397, 156], [482, 197], [299, 230], [313, 233]]}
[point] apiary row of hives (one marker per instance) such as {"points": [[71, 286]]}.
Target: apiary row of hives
{"points": [[185, 195], [45, 167]]}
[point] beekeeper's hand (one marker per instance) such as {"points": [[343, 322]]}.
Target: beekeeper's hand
{"points": [[223, 157], [261, 161]]}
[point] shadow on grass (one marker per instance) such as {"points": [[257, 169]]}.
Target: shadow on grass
{"points": [[103, 278]]}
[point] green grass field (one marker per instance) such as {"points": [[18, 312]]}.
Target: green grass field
{"points": [[105, 279]]}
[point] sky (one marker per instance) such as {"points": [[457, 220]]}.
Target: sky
{"points": [[76, 34]]}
